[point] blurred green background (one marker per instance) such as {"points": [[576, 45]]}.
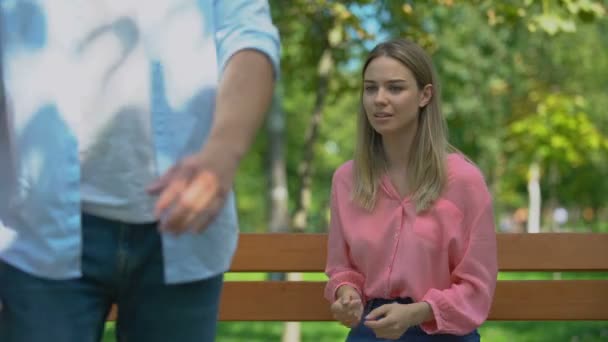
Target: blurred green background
{"points": [[524, 86]]}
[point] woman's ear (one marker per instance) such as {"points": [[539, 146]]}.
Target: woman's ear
{"points": [[426, 95]]}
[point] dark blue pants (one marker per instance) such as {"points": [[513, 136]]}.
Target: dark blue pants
{"points": [[121, 263], [361, 333]]}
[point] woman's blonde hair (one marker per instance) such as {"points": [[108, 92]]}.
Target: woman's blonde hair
{"points": [[427, 164]]}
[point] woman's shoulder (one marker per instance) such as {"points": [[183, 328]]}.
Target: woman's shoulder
{"points": [[466, 188], [462, 172], [344, 172], [343, 176]]}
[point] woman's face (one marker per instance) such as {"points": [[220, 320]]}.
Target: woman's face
{"points": [[391, 97]]}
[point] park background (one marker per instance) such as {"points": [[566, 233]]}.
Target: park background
{"points": [[525, 95]]}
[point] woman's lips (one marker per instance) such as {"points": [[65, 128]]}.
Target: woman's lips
{"points": [[382, 115]]}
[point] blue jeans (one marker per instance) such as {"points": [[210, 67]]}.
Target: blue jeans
{"points": [[361, 333], [121, 263]]}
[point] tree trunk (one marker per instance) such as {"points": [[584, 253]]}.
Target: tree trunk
{"points": [[277, 173], [291, 332], [278, 194], [552, 200], [299, 221], [535, 200], [279, 215]]}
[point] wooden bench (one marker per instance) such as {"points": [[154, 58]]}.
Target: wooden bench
{"points": [[514, 300]]}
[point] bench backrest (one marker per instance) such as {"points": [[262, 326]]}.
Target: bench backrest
{"points": [[578, 299]]}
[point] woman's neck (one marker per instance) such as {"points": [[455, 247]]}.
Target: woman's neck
{"points": [[397, 149]]}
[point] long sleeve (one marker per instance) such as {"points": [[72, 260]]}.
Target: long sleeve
{"points": [[245, 24], [339, 267], [465, 305]]}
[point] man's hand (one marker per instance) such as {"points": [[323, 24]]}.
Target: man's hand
{"points": [[348, 307], [193, 191], [392, 320]]}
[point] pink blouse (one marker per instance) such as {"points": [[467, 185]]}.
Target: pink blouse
{"points": [[445, 256]]}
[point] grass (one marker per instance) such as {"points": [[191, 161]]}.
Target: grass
{"points": [[582, 331], [490, 332]]}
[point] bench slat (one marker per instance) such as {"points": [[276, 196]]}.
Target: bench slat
{"points": [[531, 300], [515, 300], [516, 252]]}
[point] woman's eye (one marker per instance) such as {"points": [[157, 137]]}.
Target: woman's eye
{"points": [[395, 89], [370, 88]]}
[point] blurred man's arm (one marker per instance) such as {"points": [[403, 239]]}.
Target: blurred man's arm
{"points": [[192, 192]]}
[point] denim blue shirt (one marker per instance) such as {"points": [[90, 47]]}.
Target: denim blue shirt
{"points": [[182, 45]]}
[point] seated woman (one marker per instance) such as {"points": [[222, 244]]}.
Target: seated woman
{"points": [[412, 243]]}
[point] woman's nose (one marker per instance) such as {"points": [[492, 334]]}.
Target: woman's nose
{"points": [[380, 97]]}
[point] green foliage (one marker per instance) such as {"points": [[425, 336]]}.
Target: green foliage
{"points": [[560, 132], [512, 95], [548, 16]]}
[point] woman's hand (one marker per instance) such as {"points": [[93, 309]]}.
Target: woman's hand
{"points": [[392, 320], [348, 307]]}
